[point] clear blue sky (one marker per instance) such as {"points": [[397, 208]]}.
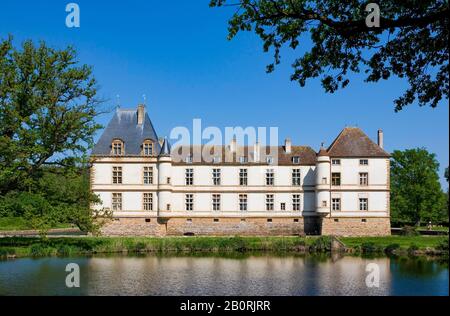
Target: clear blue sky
{"points": [[176, 52]]}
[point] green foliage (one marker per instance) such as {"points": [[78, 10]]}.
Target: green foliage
{"points": [[370, 247], [416, 194], [47, 112], [391, 248], [443, 245], [412, 249], [409, 231], [321, 244], [411, 42], [48, 107]]}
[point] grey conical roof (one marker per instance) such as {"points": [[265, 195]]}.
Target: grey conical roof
{"points": [[165, 148], [124, 126]]}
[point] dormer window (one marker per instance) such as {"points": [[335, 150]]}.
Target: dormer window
{"points": [[188, 159], [147, 148], [216, 159], [269, 160], [117, 148], [296, 160], [243, 159]]}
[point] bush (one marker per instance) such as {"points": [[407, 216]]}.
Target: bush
{"points": [[391, 248], [443, 245], [370, 247], [321, 244], [409, 231], [412, 249], [4, 252]]}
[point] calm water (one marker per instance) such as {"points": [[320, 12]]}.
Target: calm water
{"points": [[229, 275]]}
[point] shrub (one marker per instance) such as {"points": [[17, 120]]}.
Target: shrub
{"points": [[391, 248], [370, 247], [409, 231], [4, 252], [412, 249], [443, 245], [321, 244]]}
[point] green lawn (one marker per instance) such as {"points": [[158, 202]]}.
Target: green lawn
{"points": [[19, 223]]}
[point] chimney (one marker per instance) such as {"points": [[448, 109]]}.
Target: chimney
{"points": [[288, 146], [140, 114], [380, 138], [233, 145], [257, 152]]}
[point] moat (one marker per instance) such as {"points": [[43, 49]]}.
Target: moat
{"points": [[231, 274]]}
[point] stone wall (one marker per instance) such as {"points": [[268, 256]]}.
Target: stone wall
{"points": [[225, 226], [356, 226]]}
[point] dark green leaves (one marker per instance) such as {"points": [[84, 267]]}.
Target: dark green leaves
{"points": [[411, 42]]}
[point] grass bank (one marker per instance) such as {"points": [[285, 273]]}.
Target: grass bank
{"points": [[71, 246]]}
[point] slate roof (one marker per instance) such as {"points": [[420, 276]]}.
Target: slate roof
{"points": [[353, 142], [124, 126], [306, 154]]}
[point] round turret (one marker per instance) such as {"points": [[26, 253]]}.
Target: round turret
{"points": [[323, 172], [164, 177]]}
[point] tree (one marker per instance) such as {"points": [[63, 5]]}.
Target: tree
{"points": [[416, 193], [47, 112], [411, 41], [48, 107]]}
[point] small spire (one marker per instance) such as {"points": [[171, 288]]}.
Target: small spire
{"points": [[165, 148]]}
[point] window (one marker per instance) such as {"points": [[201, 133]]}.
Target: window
{"points": [[147, 148], [335, 162], [296, 177], [148, 175], [148, 201], [269, 160], [283, 206], [188, 159], [117, 175], [336, 204], [215, 220], [189, 202], [243, 159], [216, 202], [117, 147], [336, 178], [269, 202], [190, 176], [117, 201], [168, 180], [363, 204], [296, 160], [269, 177], [324, 203], [216, 176], [243, 177], [324, 180], [363, 178], [363, 162], [296, 202], [242, 202], [168, 207], [216, 159], [269, 220]]}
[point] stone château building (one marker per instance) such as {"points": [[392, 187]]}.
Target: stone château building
{"points": [[238, 190]]}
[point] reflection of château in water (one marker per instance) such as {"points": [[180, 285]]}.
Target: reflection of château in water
{"points": [[244, 190]]}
